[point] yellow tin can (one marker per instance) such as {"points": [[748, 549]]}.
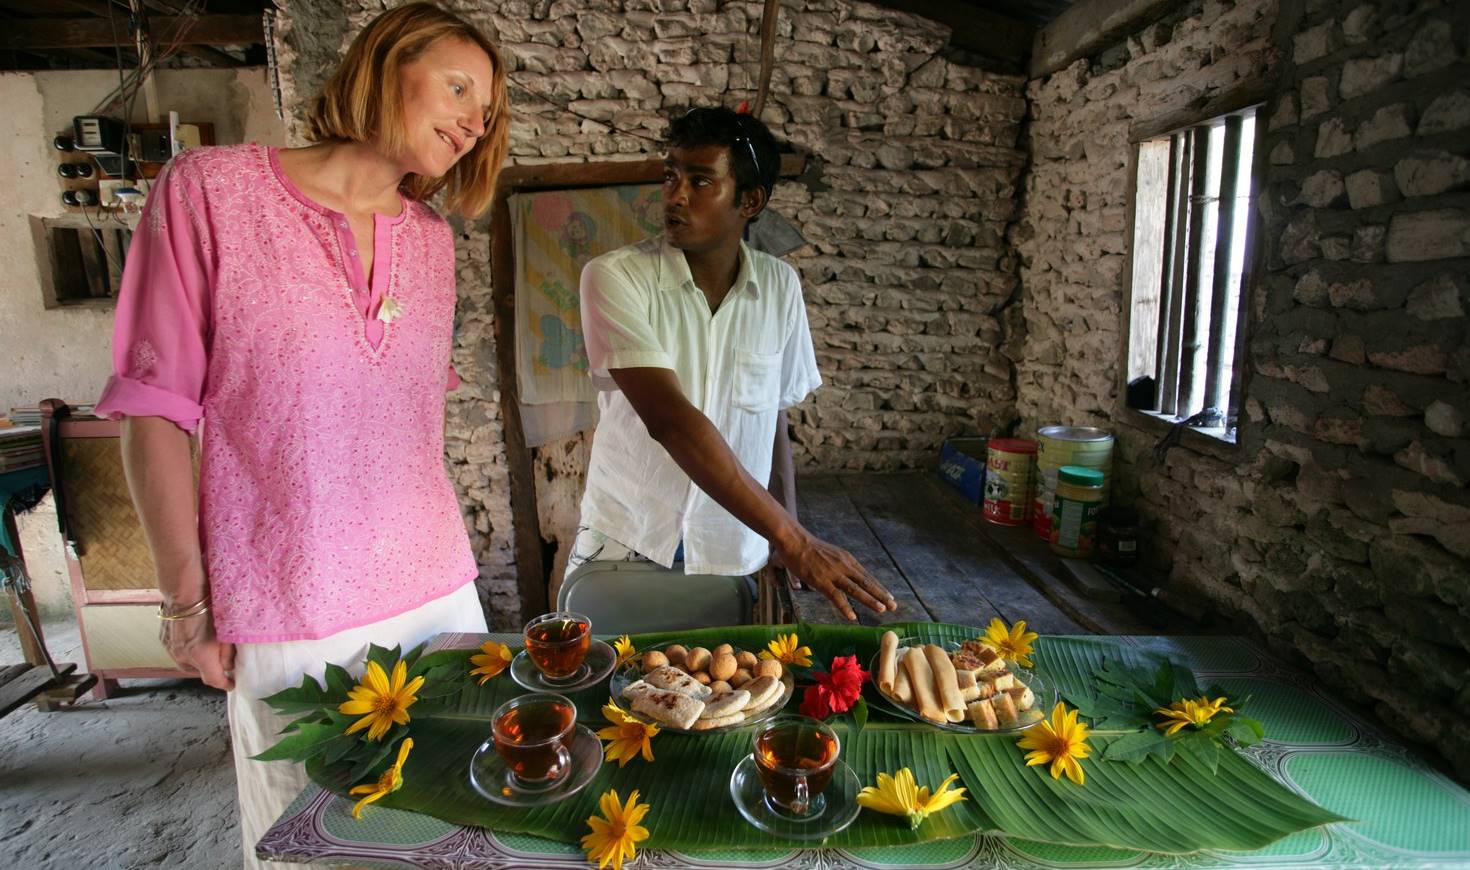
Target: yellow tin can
{"points": [[1056, 446]]}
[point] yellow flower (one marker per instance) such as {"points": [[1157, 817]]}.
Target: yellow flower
{"points": [[627, 736], [1062, 741], [613, 838], [785, 649], [625, 649], [384, 702], [1189, 712], [899, 796], [1012, 644], [389, 782], [496, 658]]}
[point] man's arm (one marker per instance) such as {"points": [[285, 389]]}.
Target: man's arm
{"points": [[694, 443]]}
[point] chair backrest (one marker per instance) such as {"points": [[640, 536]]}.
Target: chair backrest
{"points": [[633, 597]]}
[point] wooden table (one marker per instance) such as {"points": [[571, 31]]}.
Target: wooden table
{"points": [[942, 561]]}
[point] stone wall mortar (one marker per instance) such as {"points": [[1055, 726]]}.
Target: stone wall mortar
{"points": [[1339, 527]]}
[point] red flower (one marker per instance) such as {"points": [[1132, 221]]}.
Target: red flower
{"points": [[835, 691]]}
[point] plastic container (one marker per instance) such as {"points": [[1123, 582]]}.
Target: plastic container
{"points": [[1079, 500], [1117, 536], [1066, 445], [1008, 471]]}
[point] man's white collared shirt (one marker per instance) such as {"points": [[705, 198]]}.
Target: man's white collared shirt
{"points": [[739, 366]]}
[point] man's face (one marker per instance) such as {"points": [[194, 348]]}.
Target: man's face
{"points": [[701, 211]]}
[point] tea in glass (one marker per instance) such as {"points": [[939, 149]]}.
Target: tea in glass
{"points": [[795, 757], [557, 644], [533, 736]]}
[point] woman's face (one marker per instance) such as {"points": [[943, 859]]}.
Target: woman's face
{"points": [[446, 100]]}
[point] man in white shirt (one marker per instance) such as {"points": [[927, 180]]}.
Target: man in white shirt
{"points": [[697, 345]]}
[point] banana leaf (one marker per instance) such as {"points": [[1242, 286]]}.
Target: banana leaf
{"points": [[1176, 807]]}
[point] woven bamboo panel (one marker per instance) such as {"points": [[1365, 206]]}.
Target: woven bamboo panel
{"points": [[110, 541]]}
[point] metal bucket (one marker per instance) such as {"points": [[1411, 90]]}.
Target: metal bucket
{"points": [[1067, 445], [1008, 473]]}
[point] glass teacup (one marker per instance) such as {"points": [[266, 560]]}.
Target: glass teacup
{"points": [[795, 757], [533, 736], [557, 645]]}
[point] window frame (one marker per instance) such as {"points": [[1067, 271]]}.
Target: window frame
{"points": [[1253, 94]]}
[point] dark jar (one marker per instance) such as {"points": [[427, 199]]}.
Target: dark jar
{"points": [[1117, 535]]}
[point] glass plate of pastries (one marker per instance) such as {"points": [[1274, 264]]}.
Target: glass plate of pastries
{"points": [[957, 686], [695, 690]]}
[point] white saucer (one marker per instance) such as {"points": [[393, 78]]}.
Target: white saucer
{"points": [[599, 663], [840, 811], [491, 778]]}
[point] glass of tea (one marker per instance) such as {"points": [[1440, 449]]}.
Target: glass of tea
{"points": [[795, 757], [557, 644], [533, 736]]}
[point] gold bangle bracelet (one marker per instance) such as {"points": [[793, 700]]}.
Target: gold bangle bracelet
{"points": [[194, 609]]}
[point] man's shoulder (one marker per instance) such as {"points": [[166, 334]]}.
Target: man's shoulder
{"points": [[774, 273], [628, 256]]}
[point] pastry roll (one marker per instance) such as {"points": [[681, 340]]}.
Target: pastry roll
{"points": [[901, 688], [946, 683], [921, 678], [887, 662]]}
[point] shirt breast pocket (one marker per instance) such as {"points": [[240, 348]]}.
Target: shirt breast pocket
{"points": [[757, 381]]}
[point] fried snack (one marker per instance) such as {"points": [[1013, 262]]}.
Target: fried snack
{"points": [[921, 678], [1004, 681], [887, 662], [982, 713], [707, 724], [678, 681], [675, 654], [747, 660], [703, 677], [653, 660], [722, 666], [969, 689], [1022, 695], [719, 687], [668, 707], [946, 683], [723, 648], [741, 677], [697, 659], [768, 668], [724, 705], [764, 691], [902, 691]]}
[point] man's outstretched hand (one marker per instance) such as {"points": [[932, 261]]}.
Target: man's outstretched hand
{"points": [[834, 572]]}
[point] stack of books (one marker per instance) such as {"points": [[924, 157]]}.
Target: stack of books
{"points": [[20, 447]]}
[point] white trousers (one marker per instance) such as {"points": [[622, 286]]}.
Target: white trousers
{"points": [[266, 788]]}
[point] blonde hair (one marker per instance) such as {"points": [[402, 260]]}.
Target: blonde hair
{"points": [[352, 106]]}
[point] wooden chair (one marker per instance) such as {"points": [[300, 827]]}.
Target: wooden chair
{"points": [[113, 586]]}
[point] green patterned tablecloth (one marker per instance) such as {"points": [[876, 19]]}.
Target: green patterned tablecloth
{"points": [[1409, 814]]}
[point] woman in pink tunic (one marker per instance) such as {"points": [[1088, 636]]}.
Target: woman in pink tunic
{"points": [[295, 309]]}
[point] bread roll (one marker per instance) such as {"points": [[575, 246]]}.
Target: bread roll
{"points": [[722, 666], [887, 662], [675, 654], [697, 659], [747, 660], [653, 660], [946, 683], [921, 678], [723, 649]]}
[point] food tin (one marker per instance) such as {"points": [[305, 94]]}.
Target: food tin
{"points": [[1067, 445], [1074, 512], [1008, 472]]}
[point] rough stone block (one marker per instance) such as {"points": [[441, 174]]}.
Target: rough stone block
{"points": [[1285, 114], [1436, 299], [1336, 247], [1380, 401], [1448, 112], [1360, 24], [1388, 123], [1433, 464], [1432, 47], [1428, 235], [1301, 240], [1421, 359], [1427, 173], [1323, 189], [1349, 349], [1314, 42], [1369, 187], [1333, 139], [1315, 96], [1443, 418], [1368, 243], [1310, 289], [1282, 154], [1356, 294], [1367, 74]]}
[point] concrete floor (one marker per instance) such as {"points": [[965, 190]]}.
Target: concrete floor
{"points": [[144, 779]]}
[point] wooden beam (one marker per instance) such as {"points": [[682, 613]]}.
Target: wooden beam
{"points": [[44, 33], [545, 176], [1090, 25], [973, 28]]}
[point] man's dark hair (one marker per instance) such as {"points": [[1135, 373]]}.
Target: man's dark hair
{"points": [[754, 155]]}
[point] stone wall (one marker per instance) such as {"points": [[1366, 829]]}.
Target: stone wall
{"points": [[1339, 527], [912, 185]]}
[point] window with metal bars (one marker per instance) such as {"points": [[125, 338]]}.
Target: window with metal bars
{"points": [[1193, 207]]}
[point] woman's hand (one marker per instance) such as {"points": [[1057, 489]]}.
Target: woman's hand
{"points": [[195, 649]]}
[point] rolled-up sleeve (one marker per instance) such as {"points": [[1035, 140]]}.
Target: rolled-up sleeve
{"points": [[615, 324], [160, 334], [799, 372]]}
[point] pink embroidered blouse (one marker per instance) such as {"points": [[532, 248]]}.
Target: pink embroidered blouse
{"points": [[244, 311]]}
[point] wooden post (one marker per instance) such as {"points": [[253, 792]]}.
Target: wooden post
{"points": [[1167, 294], [1189, 338], [23, 604], [1216, 382], [1169, 385]]}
